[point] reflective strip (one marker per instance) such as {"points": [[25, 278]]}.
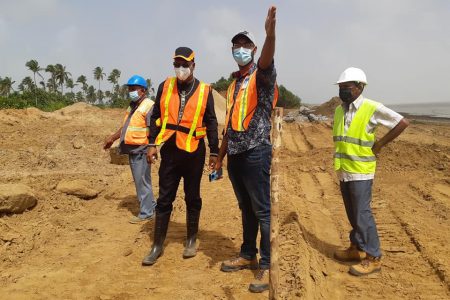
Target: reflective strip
{"points": [[132, 128], [200, 133], [166, 111], [243, 105], [197, 114], [352, 140], [355, 157], [230, 94], [145, 106]]}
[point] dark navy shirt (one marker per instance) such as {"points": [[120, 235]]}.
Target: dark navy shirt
{"points": [[258, 132]]}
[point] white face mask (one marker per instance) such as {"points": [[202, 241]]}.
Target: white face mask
{"points": [[134, 96], [182, 73]]}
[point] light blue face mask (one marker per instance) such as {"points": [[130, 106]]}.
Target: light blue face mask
{"points": [[242, 56], [134, 96]]}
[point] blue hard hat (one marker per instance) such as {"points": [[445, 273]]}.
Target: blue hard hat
{"points": [[137, 80]]}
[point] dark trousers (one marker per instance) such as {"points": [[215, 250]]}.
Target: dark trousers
{"points": [[250, 176], [357, 196], [177, 164]]}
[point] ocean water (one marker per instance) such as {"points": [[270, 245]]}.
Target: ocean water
{"points": [[441, 109]]}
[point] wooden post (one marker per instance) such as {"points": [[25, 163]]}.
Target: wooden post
{"points": [[274, 209]]}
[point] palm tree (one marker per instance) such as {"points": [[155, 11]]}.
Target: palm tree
{"points": [[79, 96], [90, 94], [34, 67], [61, 76], [6, 86], [100, 96], [99, 75], [27, 85], [51, 82], [84, 86], [70, 85], [114, 79]]}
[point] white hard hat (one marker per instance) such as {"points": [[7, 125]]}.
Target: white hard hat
{"points": [[352, 74]]}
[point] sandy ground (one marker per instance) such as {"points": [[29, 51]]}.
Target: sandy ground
{"points": [[68, 248]]}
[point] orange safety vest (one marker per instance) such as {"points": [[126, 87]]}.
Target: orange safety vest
{"points": [[137, 130], [243, 107], [190, 130]]}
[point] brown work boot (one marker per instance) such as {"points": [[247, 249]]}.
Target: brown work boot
{"points": [[239, 263], [368, 266], [261, 282], [352, 253]]}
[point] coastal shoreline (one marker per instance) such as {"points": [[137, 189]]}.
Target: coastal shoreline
{"points": [[425, 118]]}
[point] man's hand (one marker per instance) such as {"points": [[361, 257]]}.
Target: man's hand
{"points": [[152, 154], [270, 21], [108, 143], [212, 162], [218, 165], [376, 148]]}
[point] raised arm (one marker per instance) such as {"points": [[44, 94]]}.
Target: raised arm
{"points": [[268, 49]]}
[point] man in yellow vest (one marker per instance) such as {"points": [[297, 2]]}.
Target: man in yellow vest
{"points": [[183, 115], [134, 141], [250, 100], [356, 148]]}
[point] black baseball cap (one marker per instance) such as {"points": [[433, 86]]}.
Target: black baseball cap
{"points": [[184, 53]]}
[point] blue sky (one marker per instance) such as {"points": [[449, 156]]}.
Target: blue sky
{"points": [[403, 45]]}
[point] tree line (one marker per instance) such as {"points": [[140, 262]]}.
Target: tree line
{"points": [[286, 98], [54, 87], [36, 90]]}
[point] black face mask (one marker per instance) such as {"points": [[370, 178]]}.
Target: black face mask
{"points": [[346, 95]]}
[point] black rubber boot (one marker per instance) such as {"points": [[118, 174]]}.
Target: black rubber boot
{"points": [[192, 218], [161, 225]]}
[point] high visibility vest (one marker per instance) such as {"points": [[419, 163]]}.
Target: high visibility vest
{"points": [[353, 149], [137, 130], [240, 110], [190, 130]]}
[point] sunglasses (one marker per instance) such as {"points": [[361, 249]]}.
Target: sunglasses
{"points": [[184, 65]]}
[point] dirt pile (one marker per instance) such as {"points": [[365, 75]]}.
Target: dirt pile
{"points": [[327, 108], [220, 106], [69, 248]]}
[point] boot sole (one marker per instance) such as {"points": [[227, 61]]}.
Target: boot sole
{"points": [[189, 255], [235, 269], [356, 273], [151, 263], [258, 289]]}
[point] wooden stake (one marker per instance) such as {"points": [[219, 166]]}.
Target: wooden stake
{"points": [[274, 209]]}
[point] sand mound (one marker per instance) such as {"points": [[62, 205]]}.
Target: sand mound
{"points": [[220, 107], [77, 108], [327, 108]]}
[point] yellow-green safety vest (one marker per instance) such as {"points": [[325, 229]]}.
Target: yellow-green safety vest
{"points": [[353, 149]]}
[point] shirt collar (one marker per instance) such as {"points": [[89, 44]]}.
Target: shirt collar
{"points": [[355, 104], [238, 75]]}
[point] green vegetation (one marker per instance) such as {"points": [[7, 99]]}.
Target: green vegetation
{"points": [[286, 98], [61, 89]]}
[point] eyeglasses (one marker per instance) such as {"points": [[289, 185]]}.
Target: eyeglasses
{"points": [[243, 45], [184, 65]]}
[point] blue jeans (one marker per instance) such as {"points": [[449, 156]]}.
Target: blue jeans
{"points": [[357, 196], [143, 182], [250, 176]]}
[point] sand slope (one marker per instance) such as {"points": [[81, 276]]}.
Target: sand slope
{"points": [[68, 248]]}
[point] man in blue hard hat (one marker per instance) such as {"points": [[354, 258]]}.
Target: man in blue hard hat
{"points": [[134, 141]]}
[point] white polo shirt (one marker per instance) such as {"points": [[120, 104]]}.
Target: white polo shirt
{"points": [[382, 116]]}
